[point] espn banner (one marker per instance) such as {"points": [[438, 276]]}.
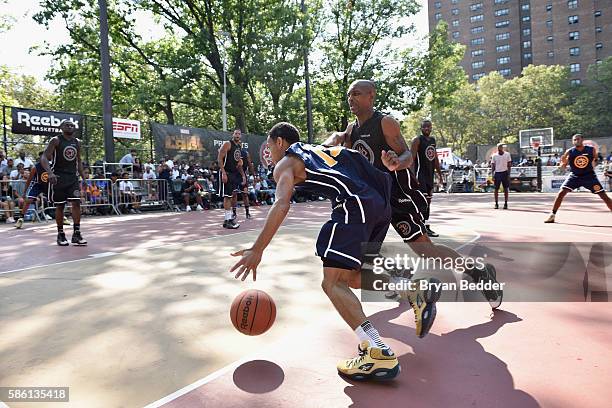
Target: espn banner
{"points": [[202, 145], [126, 128], [39, 122]]}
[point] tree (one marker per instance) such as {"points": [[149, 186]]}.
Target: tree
{"points": [[593, 109]]}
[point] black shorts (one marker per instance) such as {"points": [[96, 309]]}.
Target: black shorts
{"points": [[426, 187], [234, 179], [501, 178], [588, 181], [66, 188], [408, 205]]}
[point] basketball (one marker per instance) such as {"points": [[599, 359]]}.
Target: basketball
{"points": [[253, 312]]}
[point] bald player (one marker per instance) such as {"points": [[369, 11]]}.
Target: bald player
{"points": [[582, 160], [373, 133]]}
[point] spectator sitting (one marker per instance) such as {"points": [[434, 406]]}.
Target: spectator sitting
{"points": [[128, 158], [149, 174], [6, 199], [128, 195], [2, 159], [27, 163], [191, 192]]}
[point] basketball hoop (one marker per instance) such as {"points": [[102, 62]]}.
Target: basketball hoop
{"points": [[535, 144]]}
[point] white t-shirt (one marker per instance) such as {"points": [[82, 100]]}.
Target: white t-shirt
{"points": [[27, 163], [170, 164], [148, 176], [126, 185], [501, 161]]}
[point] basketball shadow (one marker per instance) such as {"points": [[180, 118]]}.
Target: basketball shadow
{"points": [[448, 370], [258, 376]]}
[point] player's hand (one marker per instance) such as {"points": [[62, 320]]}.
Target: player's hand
{"points": [[390, 160], [224, 177], [52, 178], [249, 262]]}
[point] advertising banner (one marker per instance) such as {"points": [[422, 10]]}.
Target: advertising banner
{"points": [[39, 122]]}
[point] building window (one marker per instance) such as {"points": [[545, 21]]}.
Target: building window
{"points": [[438, 16], [477, 53], [437, 4], [575, 82], [455, 12], [477, 41], [503, 60], [476, 6], [598, 61], [551, 54], [526, 32], [476, 30], [574, 35], [598, 46], [503, 48], [572, 4], [505, 72], [477, 76], [574, 51], [527, 55], [526, 18], [478, 17], [503, 36], [502, 24], [525, 7], [455, 23], [549, 23], [501, 1], [549, 38], [478, 64], [549, 7], [502, 12], [575, 67], [455, 34], [572, 20], [598, 13], [454, 1], [526, 44], [598, 29]]}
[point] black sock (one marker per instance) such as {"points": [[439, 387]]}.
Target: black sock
{"points": [[77, 227], [554, 211], [60, 229]]}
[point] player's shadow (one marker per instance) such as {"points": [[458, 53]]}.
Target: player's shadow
{"points": [[258, 376], [448, 370]]}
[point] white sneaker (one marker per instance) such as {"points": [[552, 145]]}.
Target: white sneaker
{"points": [[188, 208], [19, 223], [10, 220], [199, 208], [48, 217]]}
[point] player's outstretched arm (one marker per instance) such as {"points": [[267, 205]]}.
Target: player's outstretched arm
{"points": [[338, 138], [393, 137], [285, 181], [564, 159]]}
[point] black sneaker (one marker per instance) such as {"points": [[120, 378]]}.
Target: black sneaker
{"points": [[487, 274], [77, 239], [505, 206], [496, 206], [248, 215], [61, 239], [430, 232], [230, 224]]}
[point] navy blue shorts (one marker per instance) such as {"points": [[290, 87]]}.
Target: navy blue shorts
{"points": [[342, 243], [35, 190], [588, 181], [501, 178]]}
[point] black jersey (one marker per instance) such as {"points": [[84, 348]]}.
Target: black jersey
{"points": [[232, 158], [581, 162], [245, 160], [65, 158], [356, 189], [424, 159]]}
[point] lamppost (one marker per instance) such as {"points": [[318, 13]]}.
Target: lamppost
{"points": [[224, 35], [107, 105]]}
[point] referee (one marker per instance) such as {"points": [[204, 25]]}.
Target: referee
{"points": [[501, 163]]}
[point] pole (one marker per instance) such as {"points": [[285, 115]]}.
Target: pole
{"points": [[539, 169], [107, 105], [4, 131], [224, 100], [86, 138], [307, 80], [151, 142]]}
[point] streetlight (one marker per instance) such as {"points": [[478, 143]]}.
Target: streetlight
{"points": [[225, 36]]}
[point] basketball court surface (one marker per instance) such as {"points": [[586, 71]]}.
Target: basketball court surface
{"points": [[140, 317]]}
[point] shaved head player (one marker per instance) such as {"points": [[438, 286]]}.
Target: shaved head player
{"points": [[373, 133]]}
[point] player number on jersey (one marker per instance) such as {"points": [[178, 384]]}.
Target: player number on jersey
{"points": [[328, 154]]}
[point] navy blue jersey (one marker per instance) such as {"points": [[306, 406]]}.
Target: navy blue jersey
{"points": [[581, 162], [358, 192], [41, 177], [244, 153]]}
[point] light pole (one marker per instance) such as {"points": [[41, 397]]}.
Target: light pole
{"points": [[307, 78], [224, 99], [107, 105]]}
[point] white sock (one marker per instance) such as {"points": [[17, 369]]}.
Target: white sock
{"points": [[365, 331], [228, 215]]}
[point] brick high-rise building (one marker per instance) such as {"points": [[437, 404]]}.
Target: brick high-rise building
{"points": [[508, 35]]}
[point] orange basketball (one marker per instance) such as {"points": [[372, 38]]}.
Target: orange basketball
{"points": [[253, 312]]}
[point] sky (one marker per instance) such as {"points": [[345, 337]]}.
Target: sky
{"points": [[20, 46]]}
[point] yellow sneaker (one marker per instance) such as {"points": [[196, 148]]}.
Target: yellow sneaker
{"points": [[66, 221], [373, 363], [423, 304]]}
